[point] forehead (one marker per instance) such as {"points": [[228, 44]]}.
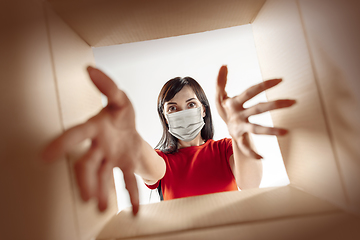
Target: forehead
{"points": [[184, 94]]}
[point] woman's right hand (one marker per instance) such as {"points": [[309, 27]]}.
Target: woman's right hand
{"points": [[114, 142]]}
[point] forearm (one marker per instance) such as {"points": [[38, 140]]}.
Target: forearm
{"points": [[149, 165], [247, 170]]}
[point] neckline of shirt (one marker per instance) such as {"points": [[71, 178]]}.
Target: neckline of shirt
{"points": [[192, 147]]}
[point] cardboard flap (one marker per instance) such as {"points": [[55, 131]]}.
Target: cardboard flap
{"points": [[335, 51], [214, 210], [104, 23], [307, 150], [329, 226], [35, 197], [78, 101]]}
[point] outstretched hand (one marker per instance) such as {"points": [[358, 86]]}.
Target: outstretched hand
{"points": [[236, 116], [114, 138]]}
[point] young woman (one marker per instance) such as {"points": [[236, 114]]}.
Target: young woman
{"points": [[188, 161]]}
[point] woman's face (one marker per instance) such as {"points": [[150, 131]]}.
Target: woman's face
{"points": [[184, 99]]}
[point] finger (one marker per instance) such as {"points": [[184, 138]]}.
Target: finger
{"points": [[221, 84], [258, 129], [264, 107], [67, 140], [86, 172], [104, 176], [256, 89], [131, 186], [116, 97], [246, 149], [221, 94]]}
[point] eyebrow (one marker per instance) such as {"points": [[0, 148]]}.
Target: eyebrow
{"points": [[190, 99]]}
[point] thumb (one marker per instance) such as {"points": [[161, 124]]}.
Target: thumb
{"points": [[221, 83], [221, 94]]}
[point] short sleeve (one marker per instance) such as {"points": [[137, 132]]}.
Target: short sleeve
{"points": [[163, 155], [227, 146]]}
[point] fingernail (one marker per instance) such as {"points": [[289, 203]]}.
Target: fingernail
{"points": [[283, 132], [102, 207], [85, 197], [273, 82], [257, 156], [90, 69], [135, 210]]}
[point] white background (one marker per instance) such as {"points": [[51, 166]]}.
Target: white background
{"points": [[142, 68]]}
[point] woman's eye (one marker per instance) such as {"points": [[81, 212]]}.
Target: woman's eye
{"points": [[171, 109], [191, 105]]}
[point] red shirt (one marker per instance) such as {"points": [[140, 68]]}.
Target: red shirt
{"points": [[198, 170]]}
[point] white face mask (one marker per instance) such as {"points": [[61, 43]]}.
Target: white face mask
{"points": [[186, 124]]}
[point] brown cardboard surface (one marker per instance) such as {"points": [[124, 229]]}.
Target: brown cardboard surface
{"points": [[215, 210], [79, 100], [307, 151], [335, 51], [327, 226], [42, 69], [109, 22], [15, 13], [35, 198], [44, 90]]}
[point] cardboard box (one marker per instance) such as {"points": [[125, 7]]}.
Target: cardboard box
{"points": [[312, 45]]}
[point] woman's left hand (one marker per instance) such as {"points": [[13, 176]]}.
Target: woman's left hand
{"points": [[236, 116]]}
